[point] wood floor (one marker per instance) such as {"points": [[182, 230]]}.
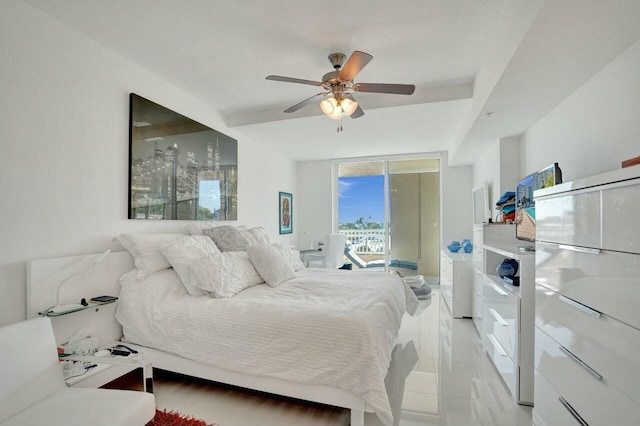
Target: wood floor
{"points": [[227, 405]]}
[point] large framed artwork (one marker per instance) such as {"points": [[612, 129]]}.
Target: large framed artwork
{"points": [[286, 212], [179, 169]]}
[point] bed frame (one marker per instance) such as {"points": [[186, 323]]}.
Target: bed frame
{"points": [[44, 276]]}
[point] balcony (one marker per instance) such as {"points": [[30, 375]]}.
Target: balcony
{"points": [[366, 241]]}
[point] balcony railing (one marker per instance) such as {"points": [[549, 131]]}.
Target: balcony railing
{"points": [[365, 241]]}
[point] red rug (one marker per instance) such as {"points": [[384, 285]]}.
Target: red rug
{"points": [[171, 418]]}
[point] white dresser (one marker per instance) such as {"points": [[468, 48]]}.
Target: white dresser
{"points": [[508, 319], [456, 282], [587, 334], [489, 234]]}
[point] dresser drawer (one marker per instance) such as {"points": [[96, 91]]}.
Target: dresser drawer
{"points": [[606, 281], [500, 316], [571, 219], [549, 408], [597, 401], [502, 361], [608, 346], [620, 230]]}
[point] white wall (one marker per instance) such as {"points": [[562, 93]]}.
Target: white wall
{"points": [[499, 167], [64, 161], [595, 128], [456, 214], [315, 189], [314, 201]]}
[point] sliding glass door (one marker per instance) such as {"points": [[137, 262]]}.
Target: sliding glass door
{"points": [[361, 212], [414, 225], [389, 210]]}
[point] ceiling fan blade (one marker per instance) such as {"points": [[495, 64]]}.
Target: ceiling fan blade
{"points": [[293, 80], [396, 89], [357, 113], [354, 65], [304, 103]]}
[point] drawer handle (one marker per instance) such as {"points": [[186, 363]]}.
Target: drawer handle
{"points": [[573, 412], [497, 345], [498, 290], [578, 305], [579, 249], [581, 363], [498, 317]]}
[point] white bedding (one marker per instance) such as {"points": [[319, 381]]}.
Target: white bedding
{"points": [[328, 327]]}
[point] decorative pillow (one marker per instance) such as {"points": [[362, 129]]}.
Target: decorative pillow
{"points": [[145, 249], [167, 281], [227, 238], [196, 228], [291, 256], [258, 235], [224, 274], [184, 251], [270, 264]]}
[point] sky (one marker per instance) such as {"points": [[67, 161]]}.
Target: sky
{"points": [[361, 196]]}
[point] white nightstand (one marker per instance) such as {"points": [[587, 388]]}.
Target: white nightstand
{"points": [[108, 368]]}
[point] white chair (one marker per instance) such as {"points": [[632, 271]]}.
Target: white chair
{"points": [[33, 391], [332, 255]]}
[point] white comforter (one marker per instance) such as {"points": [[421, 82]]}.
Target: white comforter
{"points": [[335, 328]]}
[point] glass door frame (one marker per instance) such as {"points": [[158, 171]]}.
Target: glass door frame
{"points": [[385, 159]]}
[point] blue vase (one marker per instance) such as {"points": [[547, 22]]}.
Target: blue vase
{"points": [[454, 246], [508, 268], [467, 246]]}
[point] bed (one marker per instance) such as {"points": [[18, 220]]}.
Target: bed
{"points": [[323, 335]]}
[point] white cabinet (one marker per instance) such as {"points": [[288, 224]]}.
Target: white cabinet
{"points": [[456, 282], [508, 320], [489, 234], [587, 334]]}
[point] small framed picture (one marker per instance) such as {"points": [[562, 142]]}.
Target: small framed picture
{"points": [[286, 212]]}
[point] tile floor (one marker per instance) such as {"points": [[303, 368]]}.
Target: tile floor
{"points": [[439, 375]]}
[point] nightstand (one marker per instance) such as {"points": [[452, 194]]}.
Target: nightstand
{"points": [[108, 368]]}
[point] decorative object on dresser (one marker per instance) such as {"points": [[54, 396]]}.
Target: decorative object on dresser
{"points": [[285, 202], [480, 202], [587, 326], [631, 162], [454, 246], [179, 169], [525, 217]]}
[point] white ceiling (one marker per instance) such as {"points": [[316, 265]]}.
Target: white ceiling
{"points": [[221, 51]]}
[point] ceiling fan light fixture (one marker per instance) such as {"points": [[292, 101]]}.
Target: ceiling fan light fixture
{"points": [[349, 105], [331, 108]]}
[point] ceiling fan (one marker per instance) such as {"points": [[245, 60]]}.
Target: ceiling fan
{"points": [[339, 86]]}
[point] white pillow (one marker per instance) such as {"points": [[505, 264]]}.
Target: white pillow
{"points": [[224, 274], [258, 235], [270, 264], [291, 256], [196, 228], [228, 238], [184, 251], [145, 249], [166, 281]]}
